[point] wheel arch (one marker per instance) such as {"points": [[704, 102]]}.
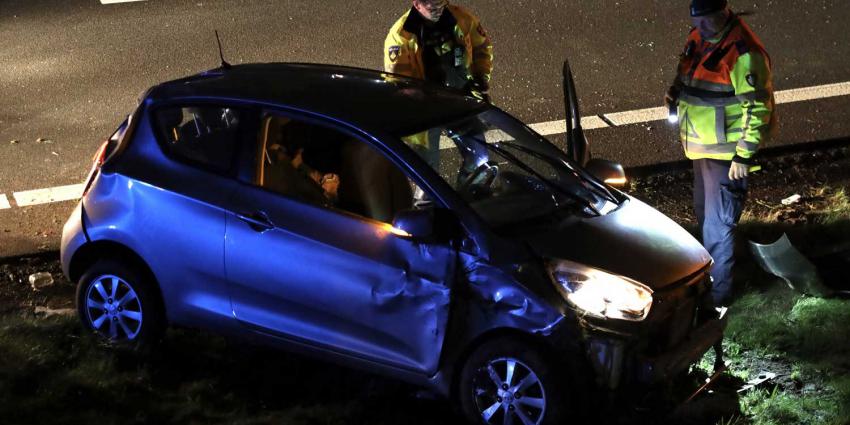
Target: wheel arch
{"points": [[88, 254], [566, 361], [486, 337]]}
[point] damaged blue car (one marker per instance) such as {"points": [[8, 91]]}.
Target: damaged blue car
{"points": [[392, 225]]}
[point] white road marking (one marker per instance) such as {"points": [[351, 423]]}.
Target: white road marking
{"points": [[637, 116], [46, 196], [117, 1], [813, 93], [560, 126], [657, 114], [65, 193]]}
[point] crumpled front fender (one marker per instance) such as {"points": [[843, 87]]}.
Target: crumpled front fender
{"points": [[510, 296]]}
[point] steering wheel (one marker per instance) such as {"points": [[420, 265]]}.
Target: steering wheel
{"points": [[482, 177]]}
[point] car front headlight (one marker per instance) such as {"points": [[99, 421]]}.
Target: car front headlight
{"points": [[601, 294]]}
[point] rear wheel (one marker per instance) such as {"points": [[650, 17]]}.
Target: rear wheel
{"points": [[118, 305], [508, 381]]}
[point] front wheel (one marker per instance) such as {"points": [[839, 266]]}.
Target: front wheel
{"points": [[115, 302], [508, 381]]}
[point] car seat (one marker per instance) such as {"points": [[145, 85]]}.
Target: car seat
{"points": [[371, 185]]}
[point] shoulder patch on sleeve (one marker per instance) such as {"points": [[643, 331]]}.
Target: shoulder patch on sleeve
{"points": [[393, 52], [752, 80]]}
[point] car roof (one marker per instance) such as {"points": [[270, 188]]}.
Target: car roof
{"points": [[367, 99]]}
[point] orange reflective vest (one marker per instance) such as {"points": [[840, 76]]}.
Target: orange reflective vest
{"points": [[726, 95]]}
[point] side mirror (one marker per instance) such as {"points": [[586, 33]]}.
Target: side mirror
{"points": [[608, 171], [419, 224]]}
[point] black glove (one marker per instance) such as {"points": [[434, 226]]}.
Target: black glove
{"points": [[478, 88], [480, 85], [672, 95]]}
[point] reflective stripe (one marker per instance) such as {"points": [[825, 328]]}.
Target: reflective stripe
{"points": [[748, 110], [725, 101], [707, 94], [756, 96], [710, 102], [720, 124], [725, 148], [690, 131], [708, 85], [748, 146]]}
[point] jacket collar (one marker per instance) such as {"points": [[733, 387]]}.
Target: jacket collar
{"points": [[415, 21], [731, 24]]}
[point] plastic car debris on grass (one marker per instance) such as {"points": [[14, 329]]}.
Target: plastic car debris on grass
{"points": [[793, 199], [40, 280], [46, 312], [781, 259], [760, 380]]}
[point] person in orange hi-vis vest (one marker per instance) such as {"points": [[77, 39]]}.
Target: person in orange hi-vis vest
{"points": [[723, 101]]}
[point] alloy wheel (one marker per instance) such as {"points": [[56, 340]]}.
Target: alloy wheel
{"points": [[507, 392], [113, 308]]}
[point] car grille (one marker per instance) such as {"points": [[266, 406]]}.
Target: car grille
{"points": [[674, 313]]}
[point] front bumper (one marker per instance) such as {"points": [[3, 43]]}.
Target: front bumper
{"points": [[651, 370], [616, 359], [682, 328]]}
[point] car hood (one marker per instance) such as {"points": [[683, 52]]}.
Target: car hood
{"points": [[634, 240]]}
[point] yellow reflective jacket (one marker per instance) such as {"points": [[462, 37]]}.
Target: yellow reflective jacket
{"points": [[726, 95], [402, 53]]}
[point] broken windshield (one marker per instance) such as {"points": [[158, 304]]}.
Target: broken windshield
{"points": [[506, 172]]}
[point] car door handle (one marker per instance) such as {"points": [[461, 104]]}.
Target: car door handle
{"points": [[258, 221]]}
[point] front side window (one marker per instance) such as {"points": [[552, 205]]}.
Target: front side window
{"points": [[506, 172], [205, 135], [323, 166]]}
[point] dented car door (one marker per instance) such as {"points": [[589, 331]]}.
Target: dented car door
{"points": [[325, 274], [338, 282]]}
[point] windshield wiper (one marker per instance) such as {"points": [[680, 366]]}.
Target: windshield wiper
{"points": [[580, 174], [531, 171]]}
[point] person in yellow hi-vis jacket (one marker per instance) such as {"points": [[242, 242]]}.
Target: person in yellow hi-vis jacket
{"points": [[724, 93], [442, 43]]}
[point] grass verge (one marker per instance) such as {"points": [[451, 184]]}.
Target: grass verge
{"points": [[50, 372], [804, 340]]}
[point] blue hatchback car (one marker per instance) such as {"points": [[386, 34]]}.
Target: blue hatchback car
{"points": [[387, 224]]}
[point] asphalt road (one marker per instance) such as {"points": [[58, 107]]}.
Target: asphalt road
{"points": [[72, 69]]}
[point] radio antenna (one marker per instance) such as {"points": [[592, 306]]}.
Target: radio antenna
{"points": [[224, 63]]}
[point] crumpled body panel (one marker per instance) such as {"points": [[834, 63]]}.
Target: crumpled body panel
{"points": [[783, 260], [499, 299], [337, 282]]}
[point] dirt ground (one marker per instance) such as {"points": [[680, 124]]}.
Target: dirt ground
{"points": [[780, 178], [18, 296]]}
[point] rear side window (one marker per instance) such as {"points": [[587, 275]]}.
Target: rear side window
{"points": [[204, 135]]}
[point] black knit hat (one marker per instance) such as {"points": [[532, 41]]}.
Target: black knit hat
{"points": [[704, 7]]}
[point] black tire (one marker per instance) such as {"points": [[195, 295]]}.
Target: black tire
{"points": [[478, 394], [124, 310]]}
